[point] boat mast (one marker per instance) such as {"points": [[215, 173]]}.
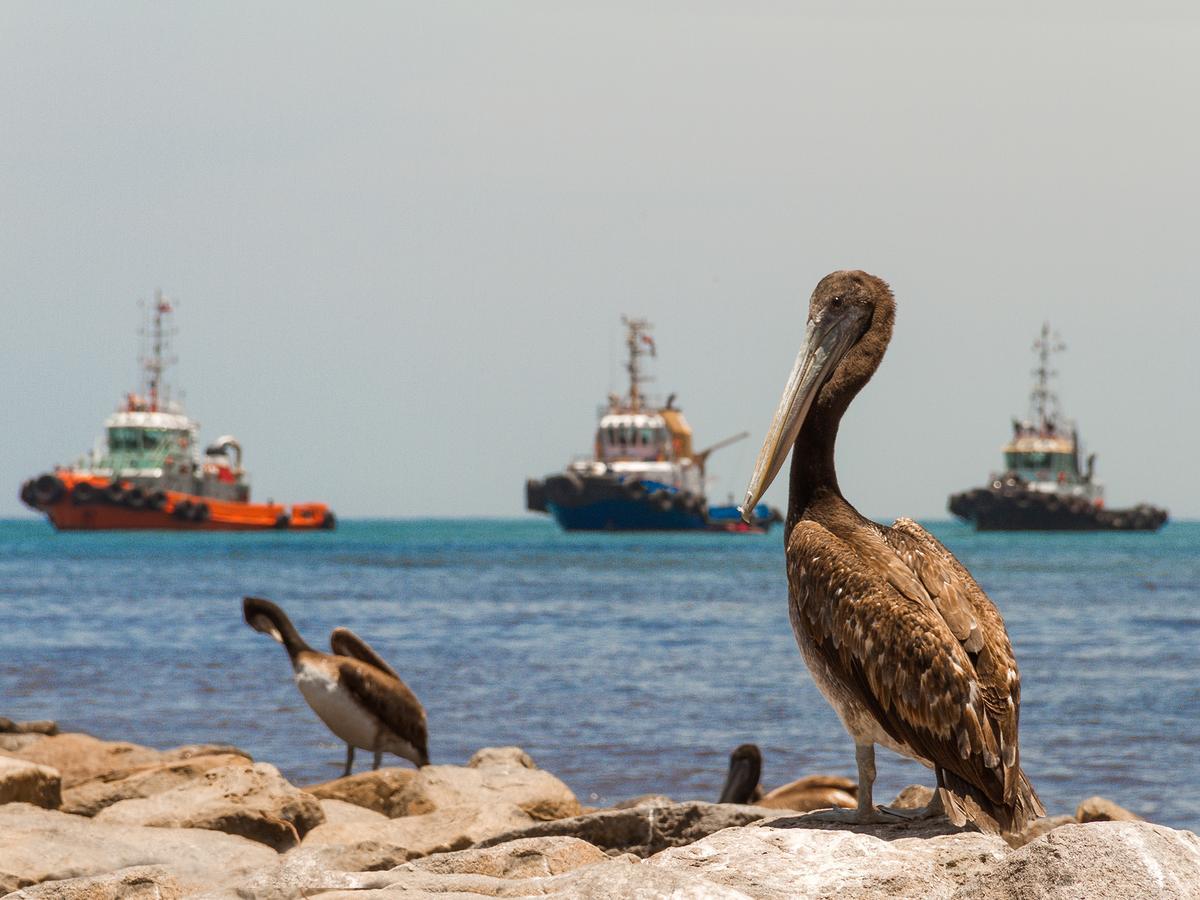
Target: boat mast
{"points": [[637, 338], [157, 361], [1043, 402]]}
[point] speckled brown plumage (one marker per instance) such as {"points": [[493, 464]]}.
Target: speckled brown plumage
{"points": [[899, 637]]}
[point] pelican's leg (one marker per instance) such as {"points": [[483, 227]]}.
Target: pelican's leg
{"points": [[378, 759], [866, 813], [349, 759]]}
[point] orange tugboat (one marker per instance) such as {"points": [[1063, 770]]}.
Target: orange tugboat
{"points": [[152, 474]]}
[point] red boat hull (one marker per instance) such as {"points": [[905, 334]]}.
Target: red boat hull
{"points": [[97, 508]]}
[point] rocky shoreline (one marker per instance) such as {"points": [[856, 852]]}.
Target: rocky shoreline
{"points": [[87, 818]]}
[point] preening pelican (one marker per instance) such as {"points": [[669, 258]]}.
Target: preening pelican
{"points": [[804, 794], [355, 693], [899, 638]]}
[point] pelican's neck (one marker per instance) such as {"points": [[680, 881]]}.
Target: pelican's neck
{"points": [[814, 477], [292, 642]]}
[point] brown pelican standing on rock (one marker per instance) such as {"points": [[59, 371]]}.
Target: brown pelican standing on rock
{"points": [[899, 638], [804, 794], [353, 690]]}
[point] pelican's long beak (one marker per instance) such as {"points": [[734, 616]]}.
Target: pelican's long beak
{"points": [[826, 341]]}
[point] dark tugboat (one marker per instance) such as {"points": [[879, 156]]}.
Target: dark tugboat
{"points": [[1043, 487], [644, 474]]}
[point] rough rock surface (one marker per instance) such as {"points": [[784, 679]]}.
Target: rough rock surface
{"points": [[250, 799], [644, 830], [135, 883], [912, 797], [538, 793], [523, 858], [81, 757], [1113, 860], [801, 856], [1098, 809], [1036, 829], [38, 845], [379, 790], [453, 828], [339, 812], [27, 782], [307, 870], [642, 800], [88, 798], [501, 756]]}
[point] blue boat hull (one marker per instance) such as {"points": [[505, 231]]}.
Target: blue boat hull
{"points": [[624, 515]]}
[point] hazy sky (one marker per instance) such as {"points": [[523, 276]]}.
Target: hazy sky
{"points": [[402, 235]]}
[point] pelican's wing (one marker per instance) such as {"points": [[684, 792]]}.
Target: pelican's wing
{"points": [[900, 657], [389, 699], [345, 642]]}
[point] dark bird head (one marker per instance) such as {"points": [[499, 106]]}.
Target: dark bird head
{"points": [[263, 615], [745, 769], [850, 318]]}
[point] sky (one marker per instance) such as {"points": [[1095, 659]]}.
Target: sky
{"points": [[401, 235]]}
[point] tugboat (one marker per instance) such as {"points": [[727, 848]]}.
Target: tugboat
{"points": [[644, 474], [1043, 487], [152, 475]]}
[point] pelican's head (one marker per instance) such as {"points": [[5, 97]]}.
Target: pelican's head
{"points": [[849, 324], [745, 769], [263, 615]]}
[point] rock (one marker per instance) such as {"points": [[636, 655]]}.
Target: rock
{"points": [[538, 793], [643, 830], [378, 790], [1098, 809], [305, 871], [519, 869], [914, 796], [26, 782], [90, 797], [452, 828], [41, 726], [339, 812], [802, 857], [81, 757], [524, 858], [643, 800], [1036, 829], [1114, 860], [38, 845], [134, 883], [501, 756], [11, 744], [250, 799]]}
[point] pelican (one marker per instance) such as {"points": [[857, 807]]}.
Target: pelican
{"points": [[804, 794], [353, 691], [905, 646]]}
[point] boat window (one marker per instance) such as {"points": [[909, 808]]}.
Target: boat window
{"points": [[647, 436]]}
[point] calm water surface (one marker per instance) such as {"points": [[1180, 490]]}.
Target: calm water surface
{"points": [[625, 664]]}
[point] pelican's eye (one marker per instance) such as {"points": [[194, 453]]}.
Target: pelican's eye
{"points": [[837, 302]]}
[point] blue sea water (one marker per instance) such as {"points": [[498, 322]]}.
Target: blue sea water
{"points": [[624, 663]]}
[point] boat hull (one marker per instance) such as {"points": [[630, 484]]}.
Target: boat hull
{"points": [[989, 509], [606, 503], [74, 503]]}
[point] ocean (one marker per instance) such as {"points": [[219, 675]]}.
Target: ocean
{"points": [[623, 663]]}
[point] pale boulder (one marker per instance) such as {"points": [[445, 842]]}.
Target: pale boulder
{"points": [[379, 790], [27, 782], [38, 845], [88, 798], [339, 812], [443, 830], [136, 883], [249, 799], [542, 796], [1099, 809]]}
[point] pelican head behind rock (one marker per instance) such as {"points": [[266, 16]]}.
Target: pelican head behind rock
{"points": [[902, 642]]}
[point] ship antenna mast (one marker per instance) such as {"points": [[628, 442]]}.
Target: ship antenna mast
{"points": [[637, 339], [1043, 401], [158, 360]]}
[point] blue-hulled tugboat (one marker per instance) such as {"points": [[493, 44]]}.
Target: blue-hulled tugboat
{"points": [[644, 474], [1043, 486]]}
